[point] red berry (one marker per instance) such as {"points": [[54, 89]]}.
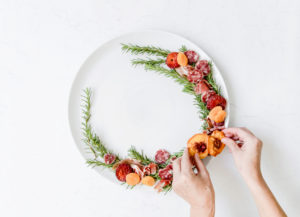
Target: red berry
{"points": [[122, 171], [216, 100], [171, 60]]}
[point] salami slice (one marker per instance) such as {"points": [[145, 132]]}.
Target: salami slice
{"points": [[202, 87], [122, 171], [203, 67], [216, 100], [206, 95], [192, 56], [194, 75], [166, 173], [109, 158], [162, 156]]}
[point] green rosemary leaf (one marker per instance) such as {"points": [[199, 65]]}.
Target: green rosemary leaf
{"points": [[139, 61], [95, 163], [140, 156], [210, 79], [90, 138], [151, 50], [167, 188], [183, 49]]}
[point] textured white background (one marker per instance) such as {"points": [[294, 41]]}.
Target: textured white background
{"points": [[255, 44]]}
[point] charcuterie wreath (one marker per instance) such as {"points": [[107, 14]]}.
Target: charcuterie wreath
{"points": [[196, 76]]}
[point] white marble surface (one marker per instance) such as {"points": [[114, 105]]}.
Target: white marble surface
{"points": [[255, 44]]}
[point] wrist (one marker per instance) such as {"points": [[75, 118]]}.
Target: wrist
{"points": [[254, 179], [208, 211]]}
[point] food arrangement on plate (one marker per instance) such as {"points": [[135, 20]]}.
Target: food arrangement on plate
{"points": [[196, 76]]}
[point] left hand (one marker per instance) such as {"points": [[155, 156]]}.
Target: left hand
{"points": [[196, 189]]}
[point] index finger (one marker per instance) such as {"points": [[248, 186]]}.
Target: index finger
{"points": [[241, 133], [186, 165]]}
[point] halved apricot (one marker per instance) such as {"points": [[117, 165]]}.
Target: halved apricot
{"points": [[132, 179], [217, 114], [148, 180], [182, 59], [216, 146], [198, 144]]}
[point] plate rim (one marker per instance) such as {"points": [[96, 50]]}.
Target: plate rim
{"points": [[71, 89]]}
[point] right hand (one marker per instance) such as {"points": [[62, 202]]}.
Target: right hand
{"points": [[247, 153]]}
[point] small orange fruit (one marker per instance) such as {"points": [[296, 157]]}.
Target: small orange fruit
{"points": [[182, 59], [132, 179], [217, 114], [148, 180]]}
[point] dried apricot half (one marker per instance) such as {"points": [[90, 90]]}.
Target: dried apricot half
{"points": [[198, 144], [217, 114], [182, 59], [216, 146], [132, 179], [148, 180]]}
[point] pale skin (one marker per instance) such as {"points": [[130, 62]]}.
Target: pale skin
{"points": [[198, 190]]}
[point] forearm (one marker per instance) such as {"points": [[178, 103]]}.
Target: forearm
{"points": [[264, 199], [202, 212]]}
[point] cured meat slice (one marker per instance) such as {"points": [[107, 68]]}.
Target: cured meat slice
{"points": [[202, 87], [150, 169], [166, 173], [161, 184], [162, 156], [138, 170], [192, 56], [206, 95], [216, 100], [203, 67], [194, 75], [109, 158], [122, 171]]}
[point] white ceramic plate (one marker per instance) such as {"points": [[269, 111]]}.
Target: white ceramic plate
{"points": [[131, 106]]}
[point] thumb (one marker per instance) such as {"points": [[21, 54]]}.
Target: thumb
{"points": [[232, 145], [200, 166]]}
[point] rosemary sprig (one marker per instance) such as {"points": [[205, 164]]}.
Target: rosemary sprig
{"points": [[188, 86], [95, 163], [210, 79], [167, 188], [139, 61], [183, 49], [91, 139], [140, 156], [151, 50]]}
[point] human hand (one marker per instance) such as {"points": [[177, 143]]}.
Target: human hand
{"points": [[196, 189], [246, 152]]}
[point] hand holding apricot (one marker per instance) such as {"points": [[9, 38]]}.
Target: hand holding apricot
{"points": [[196, 189], [247, 153]]}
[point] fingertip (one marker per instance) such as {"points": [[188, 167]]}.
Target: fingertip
{"points": [[230, 143]]}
